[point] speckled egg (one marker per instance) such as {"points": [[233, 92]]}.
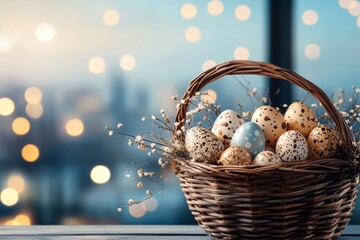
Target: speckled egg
{"points": [[251, 137], [323, 142], [226, 124], [292, 146], [267, 158], [203, 145], [301, 118], [271, 122], [235, 155]]}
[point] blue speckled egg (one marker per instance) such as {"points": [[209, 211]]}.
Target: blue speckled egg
{"points": [[251, 137]]}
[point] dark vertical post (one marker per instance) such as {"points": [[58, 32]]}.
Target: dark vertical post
{"points": [[280, 47]]}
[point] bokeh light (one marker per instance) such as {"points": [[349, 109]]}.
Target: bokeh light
{"points": [[17, 182], [150, 204], [7, 106], [74, 127], [34, 111], [127, 62], [111, 17], [208, 64], [215, 7], [30, 153], [345, 3], [44, 32], [188, 11], [354, 8], [22, 219], [192, 34], [243, 12], [20, 126], [5, 44], [358, 22], [9, 197], [241, 53], [33, 95], [312, 51], [100, 174], [209, 96], [137, 211], [310, 17], [97, 65]]}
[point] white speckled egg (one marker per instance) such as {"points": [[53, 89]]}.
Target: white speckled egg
{"points": [[267, 158], [272, 123], [203, 145], [292, 146], [235, 155], [251, 137], [301, 118], [226, 124], [323, 142]]}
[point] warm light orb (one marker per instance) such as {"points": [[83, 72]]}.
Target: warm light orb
{"points": [[9, 197], [241, 53], [21, 126], [209, 96], [208, 64], [33, 95], [30, 153], [242, 12], [127, 62], [150, 204], [5, 44], [137, 211], [74, 127], [22, 219], [44, 32], [215, 7], [310, 17], [100, 174], [111, 17], [97, 65], [312, 51], [17, 182], [345, 3], [358, 22], [192, 34], [188, 11], [7, 106], [34, 111], [354, 8]]}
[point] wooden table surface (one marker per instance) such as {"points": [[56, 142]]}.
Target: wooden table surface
{"points": [[110, 232]]}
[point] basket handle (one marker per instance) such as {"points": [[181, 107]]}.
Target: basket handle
{"points": [[237, 67]]}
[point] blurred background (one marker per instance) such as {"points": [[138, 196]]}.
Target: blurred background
{"points": [[69, 68]]}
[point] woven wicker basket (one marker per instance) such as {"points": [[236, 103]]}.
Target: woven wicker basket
{"points": [[295, 200]]}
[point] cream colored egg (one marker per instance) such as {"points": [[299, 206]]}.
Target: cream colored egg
{"points": [[301, 118], [323, 142], [267, 158], [271, 122], [292, 146], [235, 155], [226, 124], [202, 145]]}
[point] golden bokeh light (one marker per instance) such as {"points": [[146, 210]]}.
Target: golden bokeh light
{"points": [[310, 17], [312, 51], [208, 64], [21, 126], [9, 197], [7, 106], [34, 111], [33, 95], [30, 153], [127, 62], [100, 174], [44, 32], [74, 127], [241, 53], [22, 219], [192, 34], [17, 182], [209, 96], [137, 211], [345, 3], [188, 11], [354, 8], [215, 7], [150, 204], [5, 44], [111, 17], [242, 12], [97, 65], [358, 22]]}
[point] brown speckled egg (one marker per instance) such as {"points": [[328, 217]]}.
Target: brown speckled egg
{"points": [[235, 155], [292, 146], [267, 158], [301, 118], [203, 145], [226, 124], [323, 142], [271, 122]]}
